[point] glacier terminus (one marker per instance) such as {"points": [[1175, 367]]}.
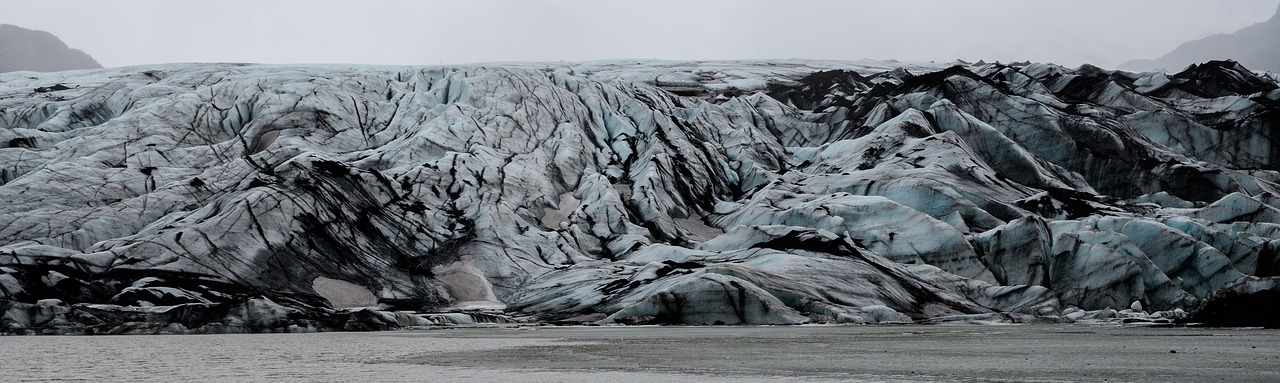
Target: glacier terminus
{"points": [[219, 198]]}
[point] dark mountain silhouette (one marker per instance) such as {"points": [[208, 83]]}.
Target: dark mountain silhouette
{"points": [[24, 49], [1253, 46]]}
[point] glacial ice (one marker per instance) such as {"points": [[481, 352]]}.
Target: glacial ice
{"points": [[210, 198]]}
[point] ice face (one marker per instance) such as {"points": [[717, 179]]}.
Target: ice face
{"points": [[624, 192]]}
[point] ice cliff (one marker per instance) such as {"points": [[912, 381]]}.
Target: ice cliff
{"points": [[218, 197]]}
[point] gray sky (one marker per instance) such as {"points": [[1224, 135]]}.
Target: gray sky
{"points": [[1103, 32]]}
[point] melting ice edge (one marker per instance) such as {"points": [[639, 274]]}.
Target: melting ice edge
{"points": [[202, 198]]}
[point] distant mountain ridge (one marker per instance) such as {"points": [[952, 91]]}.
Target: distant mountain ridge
{"points": [[1254, 46], [24, 49]]}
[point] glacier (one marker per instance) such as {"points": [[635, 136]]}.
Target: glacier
{"points": [[215, 198]]}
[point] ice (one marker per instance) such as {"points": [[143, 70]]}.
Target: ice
{"points": [[735, 192]]}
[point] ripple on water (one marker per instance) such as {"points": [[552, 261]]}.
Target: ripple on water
{"points": [[658, 354]]}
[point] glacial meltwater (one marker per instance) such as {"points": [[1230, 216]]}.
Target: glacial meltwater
{"points": [[941, 353]]}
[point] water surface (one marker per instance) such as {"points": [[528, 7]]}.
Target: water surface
{"points": [[1068, 353]]}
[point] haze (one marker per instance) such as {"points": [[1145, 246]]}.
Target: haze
{"points": [[1101, 32]]}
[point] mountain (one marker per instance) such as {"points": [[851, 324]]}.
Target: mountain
{"points": [[29, 50], [210, 198], [1252, 46]]}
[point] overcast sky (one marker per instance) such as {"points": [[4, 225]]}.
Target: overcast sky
{"points": [[1102, 32]]}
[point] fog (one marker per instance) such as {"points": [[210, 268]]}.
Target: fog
{"points": [[1102, 32]]}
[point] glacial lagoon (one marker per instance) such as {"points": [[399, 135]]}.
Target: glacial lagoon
{"points": [[939, 353]]}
